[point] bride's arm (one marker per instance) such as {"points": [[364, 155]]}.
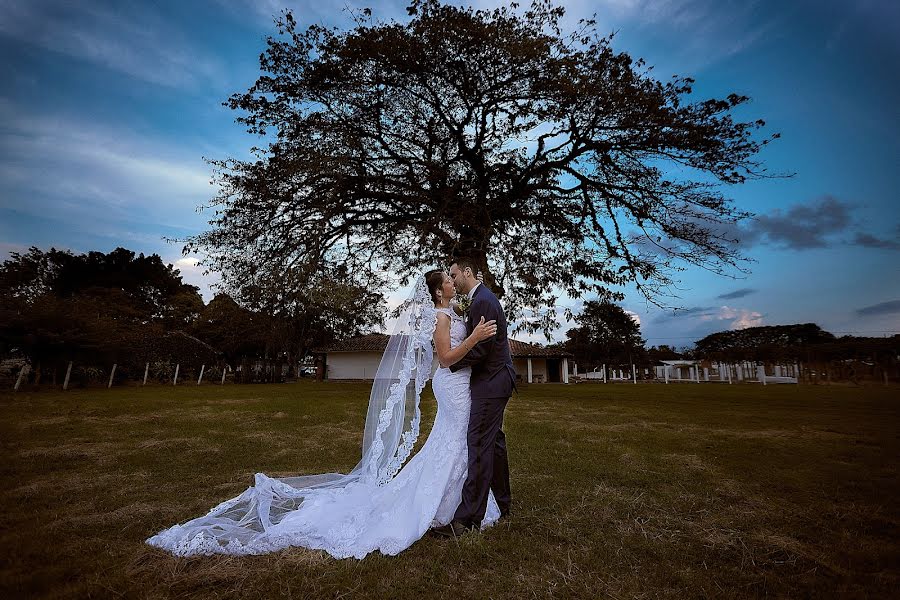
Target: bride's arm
{"points": [[448, 356]]}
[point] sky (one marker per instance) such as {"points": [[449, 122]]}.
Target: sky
{"points": [[108, 109]]}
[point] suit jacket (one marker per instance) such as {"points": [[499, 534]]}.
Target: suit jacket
{"points": [[493, 374]]}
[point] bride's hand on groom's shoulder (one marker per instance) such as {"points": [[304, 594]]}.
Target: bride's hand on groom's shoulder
{"points": [[485, 329]]}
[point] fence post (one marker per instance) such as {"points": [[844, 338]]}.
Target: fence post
{"points": [[68, 373], [199, 379], [175, 381], [146, 372], [224, 370], [111, 375], [19, 379]]}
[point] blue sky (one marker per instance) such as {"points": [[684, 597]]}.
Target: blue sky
{"points": [[108, 108]]}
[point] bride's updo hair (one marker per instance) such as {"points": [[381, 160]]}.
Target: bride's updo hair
{"points": [[434, 280]]}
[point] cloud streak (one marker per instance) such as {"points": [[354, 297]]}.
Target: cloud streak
{"points": [[52, 166], [724, 316], [883, 308], [737, 294], [870, 241], [132, 39], [803, 226], [819, 223]]}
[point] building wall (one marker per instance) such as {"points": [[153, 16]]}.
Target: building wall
{"points": [[538, 367], [357, 365], [364, 365], [352, 365]]}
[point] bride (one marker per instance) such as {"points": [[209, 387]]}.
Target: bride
{"points": [[378, 505]]}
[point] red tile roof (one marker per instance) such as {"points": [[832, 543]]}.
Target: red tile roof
{"points": [[377, 342]]}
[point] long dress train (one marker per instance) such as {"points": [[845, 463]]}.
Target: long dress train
{"points": [[361, 517]]}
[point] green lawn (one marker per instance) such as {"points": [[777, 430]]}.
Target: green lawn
{"points": [[619, 491]]}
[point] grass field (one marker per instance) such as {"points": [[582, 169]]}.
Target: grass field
{"points": [[620, 491]]}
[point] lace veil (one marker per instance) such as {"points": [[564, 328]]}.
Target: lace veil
{"points": [[392, 427]]}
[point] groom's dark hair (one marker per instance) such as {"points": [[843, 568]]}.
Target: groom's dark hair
{"points": [[464, 262]]}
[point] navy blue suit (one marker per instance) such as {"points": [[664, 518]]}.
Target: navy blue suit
{"points": [[492, 383]]}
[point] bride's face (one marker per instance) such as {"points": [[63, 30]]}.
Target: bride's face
{"points": [[447, 288]]}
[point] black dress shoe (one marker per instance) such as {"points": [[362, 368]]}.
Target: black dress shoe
{"points": [[453, 529]]}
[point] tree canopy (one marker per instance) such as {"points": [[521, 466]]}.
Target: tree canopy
{"points": [[605, 334], [56, 304], [554, 161]]}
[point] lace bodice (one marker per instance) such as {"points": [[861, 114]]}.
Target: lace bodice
{"points": [[458, 331]]}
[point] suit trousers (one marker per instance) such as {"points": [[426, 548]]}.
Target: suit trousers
{"points": [[488, 465]]}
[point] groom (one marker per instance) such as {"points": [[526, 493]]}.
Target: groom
{"points": [[492, 383]]}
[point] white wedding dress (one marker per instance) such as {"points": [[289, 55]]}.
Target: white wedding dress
{"points": [[363, 516]]}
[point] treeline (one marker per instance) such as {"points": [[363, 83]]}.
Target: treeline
{"points": [[805, 342], [100, 309], [606, 334]]}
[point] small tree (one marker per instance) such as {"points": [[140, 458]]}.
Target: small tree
{"points": [[606, 333]]}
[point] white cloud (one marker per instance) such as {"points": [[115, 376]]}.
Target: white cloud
{"points": [[634, 316], [192, 273], [739, 318]]}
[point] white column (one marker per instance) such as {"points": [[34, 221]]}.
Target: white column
{"points": [[111, 375], [604, 373], [68, 373], [705, 374], [575, 368], [529, 371], [666, 372], [728, 370], [634, 373], [761, 370], [19, 378], [565, 370]]}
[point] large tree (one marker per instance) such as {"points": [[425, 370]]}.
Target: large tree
{"points": [[553, 160]]}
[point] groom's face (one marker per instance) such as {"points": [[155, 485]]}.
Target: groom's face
{"points": [[459, 279]]}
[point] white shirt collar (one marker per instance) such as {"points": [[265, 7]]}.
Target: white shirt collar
{"points": [[472, 291]]}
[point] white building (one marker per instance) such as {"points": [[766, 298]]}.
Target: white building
{"points": [[357, 359]]}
